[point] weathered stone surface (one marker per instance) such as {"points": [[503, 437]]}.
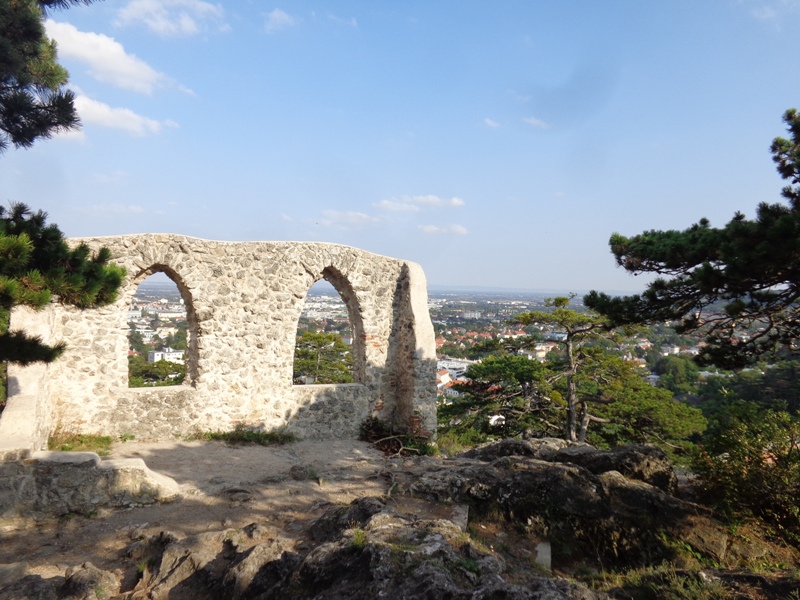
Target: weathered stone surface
{"points": [[79, 482], [541, 448], [250, 566], [243, 303], [192, 567], [31, 587], [398, 557], [331, 525], [403, 548], [87, 582], [642, 462], [617, 520]]}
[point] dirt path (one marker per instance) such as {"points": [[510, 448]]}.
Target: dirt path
{"points": [[280, 487]]}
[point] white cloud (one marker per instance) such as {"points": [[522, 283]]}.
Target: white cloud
{"points": [[286, 217], [413, 203], [775, 12], [98, 113], [491, 123], [173, 17], [73, 135], [449, 229], [394, 205], [112, 209], [537, 123], [351, 21], [276, 20], [347, 219], [764, 13], [431, 200], [108, 62]]}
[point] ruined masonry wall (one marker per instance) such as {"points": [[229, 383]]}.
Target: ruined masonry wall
{"points": [[244, 300]]}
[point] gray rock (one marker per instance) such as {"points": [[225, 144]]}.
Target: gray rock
{"points": [[193, 567], [643, 462], [398, 557], [335, 521], [246, 566], [87, 582], [608, 517], [31, 587]]}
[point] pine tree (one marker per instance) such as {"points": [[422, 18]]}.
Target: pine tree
{"points": [[739, 285], [34, 102], [36, 264]]}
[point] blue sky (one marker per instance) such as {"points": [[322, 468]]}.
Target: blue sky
{"points": [[496, 143]]}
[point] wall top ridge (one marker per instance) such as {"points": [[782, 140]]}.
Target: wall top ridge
{"points": [[160, 238]]}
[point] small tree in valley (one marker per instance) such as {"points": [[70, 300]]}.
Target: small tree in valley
{"points": [[577, 328]]}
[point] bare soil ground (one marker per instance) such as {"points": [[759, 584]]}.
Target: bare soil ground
{"points": [[281, 487]]}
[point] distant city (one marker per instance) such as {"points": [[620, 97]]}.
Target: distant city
{"points": [[466, 321]]}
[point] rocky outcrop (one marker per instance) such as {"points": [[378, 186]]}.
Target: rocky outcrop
{"points": [[608, 518], [60, 483], [526, 514], [380, 554], [644, 462]]}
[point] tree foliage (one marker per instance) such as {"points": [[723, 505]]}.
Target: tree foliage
{"points": [[635, 412], [743, 277], [322, 358], [578, 328], [34, 101], [36, 264], [750, 465], [160, 373], [677, 374]]}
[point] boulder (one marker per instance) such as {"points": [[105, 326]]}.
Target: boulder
{"points": [[31, 587], [541, 448], [606, 518], [331, 524], [243, 570], [87, 582], [396, 556], [193, 567], [644, 462]]}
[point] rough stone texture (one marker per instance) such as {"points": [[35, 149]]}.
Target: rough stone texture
{"points": [[620, 521], [243, 301], [87, 582], [31, 587], [541, 448], [383, 554], [642, 462], [79, 482]]}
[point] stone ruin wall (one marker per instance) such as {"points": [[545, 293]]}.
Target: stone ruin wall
{"points": [[243, 303]]}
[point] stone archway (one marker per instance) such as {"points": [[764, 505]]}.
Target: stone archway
{"points": [[245, 298]]}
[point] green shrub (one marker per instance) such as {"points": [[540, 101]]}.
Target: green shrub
{"points": [[245, 435], [80, 442], [663, 583], [749, 466]]}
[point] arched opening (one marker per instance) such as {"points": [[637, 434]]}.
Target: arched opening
{"points": [[329, 344], [162, 331]]}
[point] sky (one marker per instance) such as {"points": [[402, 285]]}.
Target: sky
{"points": [[498, 144]]}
